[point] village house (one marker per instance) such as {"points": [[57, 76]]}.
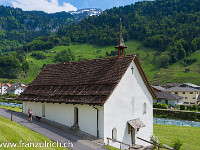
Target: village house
{"points": [[158, 88], [170, 85], [190, 85], [106, 98], [4, 87], [190, 95], [16, 88], [168, 98]]}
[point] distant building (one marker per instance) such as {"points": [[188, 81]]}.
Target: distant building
{"points": [[168, 98], [170, 85], [4, 87], [189, 95], [190, 85], [16, 88], [158, 88]]}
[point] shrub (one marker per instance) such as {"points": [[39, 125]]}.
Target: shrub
{"points": [[177, 106], [190, 108], [154, 140], [176, 144], [159, 105], [38, 55], [11, 95], [64, 56], [182, 107], [194, 107], [189, 61], [198, 108]]}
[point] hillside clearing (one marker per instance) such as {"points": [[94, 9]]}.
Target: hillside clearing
{"points": [[156, 76]]}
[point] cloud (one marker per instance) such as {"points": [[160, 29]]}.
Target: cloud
{"points": [[5, 2], [51, 6]]}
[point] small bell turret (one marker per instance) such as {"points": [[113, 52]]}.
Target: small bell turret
{"points": [[121, 45]]}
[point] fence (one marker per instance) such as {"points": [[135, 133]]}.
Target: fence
{"points": [[156, 144]]}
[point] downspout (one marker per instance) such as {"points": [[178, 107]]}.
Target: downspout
{"points": [[97, 121]]}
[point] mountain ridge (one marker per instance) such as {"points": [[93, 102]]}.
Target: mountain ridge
{"points": [[18, 27]]}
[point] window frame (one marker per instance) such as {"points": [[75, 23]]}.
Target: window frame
{"points": [[114, 133], [144, 108]]}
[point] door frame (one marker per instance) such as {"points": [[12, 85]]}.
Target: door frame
{"points": [[133, 134]]}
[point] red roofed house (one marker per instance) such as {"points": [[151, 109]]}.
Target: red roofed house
{"points": [[108, 97], [4, 87], [16, 88]]}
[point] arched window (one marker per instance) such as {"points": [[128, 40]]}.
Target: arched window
{"points": [[144, 108], [114, 133]]}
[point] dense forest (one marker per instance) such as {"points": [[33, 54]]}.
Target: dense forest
{"points": [[170, 26], [18, 27], [12, 64]]}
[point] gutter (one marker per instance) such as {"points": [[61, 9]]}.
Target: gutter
{"points": [[97, 121]]}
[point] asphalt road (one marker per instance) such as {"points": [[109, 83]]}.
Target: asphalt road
{"points": [[54, 133]]}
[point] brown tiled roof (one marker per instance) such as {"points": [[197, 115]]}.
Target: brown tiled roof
{"points": [[182, 89], [83, 82], [8, 84], [168, 96], [158, 88], [168, 85]]}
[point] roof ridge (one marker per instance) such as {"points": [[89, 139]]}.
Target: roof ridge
{"points": [[105, 58]]}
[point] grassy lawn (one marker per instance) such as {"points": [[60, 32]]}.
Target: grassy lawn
{"points": [[17, 109], [112, 148], [13, 132], [189, 135], [167, 133]]}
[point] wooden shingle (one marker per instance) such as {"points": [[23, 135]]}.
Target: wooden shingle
{"points": [[82, 82]]}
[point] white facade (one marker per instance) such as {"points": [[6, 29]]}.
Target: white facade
{"points": [[126, 103], [130, 100], [170, 102], [17, 91], [4, 88], [64, 114]]}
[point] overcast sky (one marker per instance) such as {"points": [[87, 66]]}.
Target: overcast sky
{"points": [[51, 6]]}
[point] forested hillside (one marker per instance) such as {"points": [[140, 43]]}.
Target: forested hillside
{"points": [[18, 27], [170, 26], [167, 30]]}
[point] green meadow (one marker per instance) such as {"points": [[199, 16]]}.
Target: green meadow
{"points": [[13, 132], [173, 73], [17, 109], [167, 133], [188, 135]]}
